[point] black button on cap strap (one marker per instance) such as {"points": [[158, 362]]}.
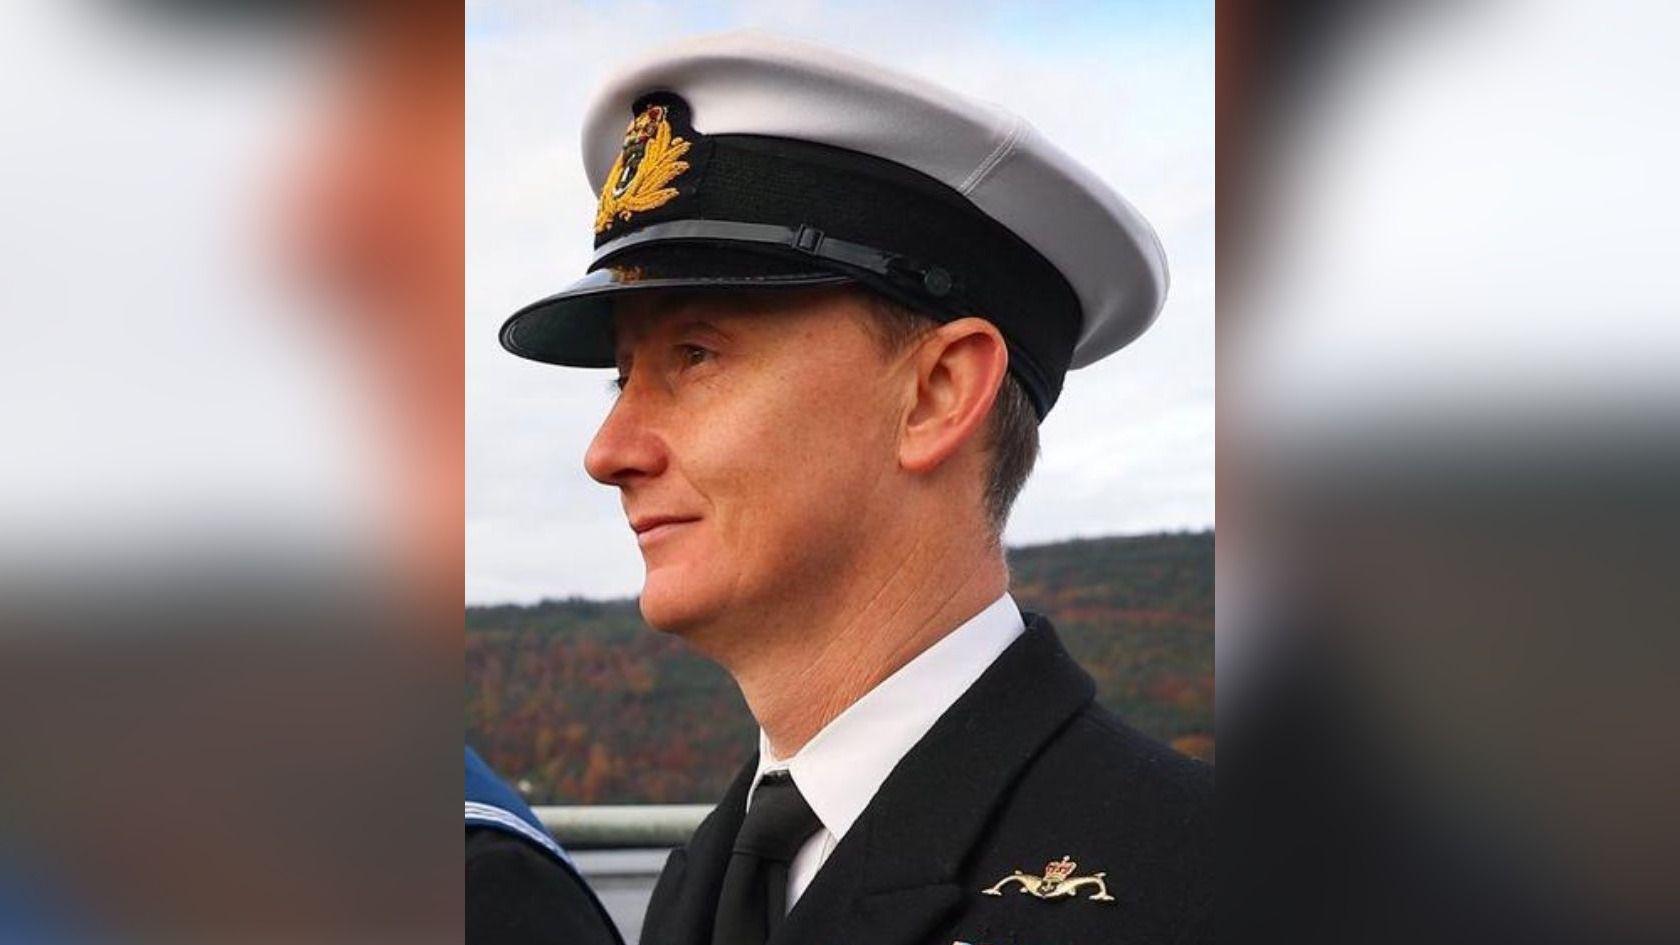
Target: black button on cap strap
{"points": [[754, 897]]}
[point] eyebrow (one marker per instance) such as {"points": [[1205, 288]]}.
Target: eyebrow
{"points": [[684, 324], [703, 324]]}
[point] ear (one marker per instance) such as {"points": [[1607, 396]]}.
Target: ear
{"points": [[958, 366]]}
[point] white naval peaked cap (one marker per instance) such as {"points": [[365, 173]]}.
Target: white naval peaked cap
{"points": [[750, 82]]}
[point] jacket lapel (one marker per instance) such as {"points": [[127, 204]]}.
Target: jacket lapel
{"points": [[896, 875], [684, 902]]}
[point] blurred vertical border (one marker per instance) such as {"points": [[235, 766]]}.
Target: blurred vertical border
{"points": [[1447, 478], [230, 503]]}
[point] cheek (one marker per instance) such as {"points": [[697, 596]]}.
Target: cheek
{"points": [[803, 461]]}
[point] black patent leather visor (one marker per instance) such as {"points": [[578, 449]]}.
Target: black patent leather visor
{"points": [[574, 327]]}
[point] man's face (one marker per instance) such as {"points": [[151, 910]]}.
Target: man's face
{"points": [[753, 437]]}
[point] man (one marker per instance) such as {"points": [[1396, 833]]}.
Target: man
{"points": [[521, 887], [840, 300]]}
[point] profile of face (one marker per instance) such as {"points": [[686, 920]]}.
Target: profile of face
{"points": [[754, 440]]}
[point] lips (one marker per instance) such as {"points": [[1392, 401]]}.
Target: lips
{"points": [[650, 525]]}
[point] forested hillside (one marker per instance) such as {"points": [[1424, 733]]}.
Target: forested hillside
{"points": [[583, 703]]}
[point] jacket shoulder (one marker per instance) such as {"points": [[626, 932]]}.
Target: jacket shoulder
{"points": [[1122, 759], [1127, 791]]}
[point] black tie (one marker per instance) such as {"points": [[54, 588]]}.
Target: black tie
{"points": [[754, 898]]}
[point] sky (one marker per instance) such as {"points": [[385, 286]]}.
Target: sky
{"points": [[1125, 87]]}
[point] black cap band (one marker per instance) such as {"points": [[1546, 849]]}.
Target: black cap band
{"points": [[931, 285]]}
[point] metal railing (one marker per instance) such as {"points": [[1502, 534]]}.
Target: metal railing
{"points": [[622, 826]]}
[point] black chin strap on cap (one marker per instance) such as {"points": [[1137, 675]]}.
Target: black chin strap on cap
{"points": [[926, 286], [930, 280]]}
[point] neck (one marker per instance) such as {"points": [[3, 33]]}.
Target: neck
{"points": [[799, 683]]}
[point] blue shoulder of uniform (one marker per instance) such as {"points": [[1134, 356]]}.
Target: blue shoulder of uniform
{"points": [[492, 803]]}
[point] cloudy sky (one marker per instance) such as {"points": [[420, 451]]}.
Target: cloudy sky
{"points": [[1124, 85]]}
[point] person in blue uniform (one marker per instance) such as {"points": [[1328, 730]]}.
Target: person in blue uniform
{"points": [[521, 887], [840, 300]]}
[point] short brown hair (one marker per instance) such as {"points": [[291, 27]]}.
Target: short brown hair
{"points": [[1012, 430]]}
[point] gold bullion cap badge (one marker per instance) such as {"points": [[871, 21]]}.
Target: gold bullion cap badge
{"points": [[649, 161]]}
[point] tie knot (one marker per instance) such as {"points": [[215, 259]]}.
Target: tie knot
{"points": [[778, 822]]}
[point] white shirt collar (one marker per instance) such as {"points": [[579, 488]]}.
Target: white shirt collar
{"points": [[841, 767]]}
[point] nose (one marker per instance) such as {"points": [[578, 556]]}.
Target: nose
{"points": [[626, 447]]}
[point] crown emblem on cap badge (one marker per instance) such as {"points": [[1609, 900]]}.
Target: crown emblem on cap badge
{"points": [[1058, 882], [640, 177]]}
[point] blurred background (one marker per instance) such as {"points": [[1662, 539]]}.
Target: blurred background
{"points": [[230, 478], [1448, 405]]}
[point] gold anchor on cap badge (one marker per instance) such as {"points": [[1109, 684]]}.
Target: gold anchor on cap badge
{"points": [[1057, 882]]}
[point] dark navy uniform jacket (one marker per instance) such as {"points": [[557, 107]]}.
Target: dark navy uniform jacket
{"points": [[1024, 772], [522, 888]]}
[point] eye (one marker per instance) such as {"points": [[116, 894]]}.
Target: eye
{"points": [[692, 355], [616, 385]]}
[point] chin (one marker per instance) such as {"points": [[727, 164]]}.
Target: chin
{"points": [[670, 604]]}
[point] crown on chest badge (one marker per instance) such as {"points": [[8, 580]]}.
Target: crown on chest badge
{"points": [[1058, 882]]}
